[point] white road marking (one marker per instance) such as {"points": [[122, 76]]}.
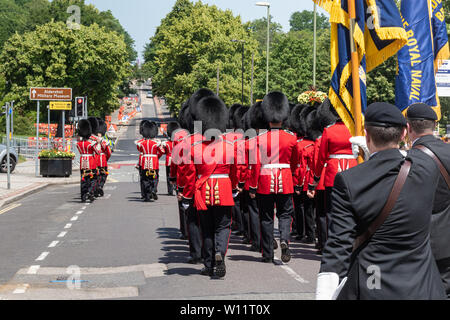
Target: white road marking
{"points": [[33, 269], [79, 212], [84, 208], [291, 272], [62, 234], [68, 226], [21, 289], [42, 256], [75, 218], [53, 244]]}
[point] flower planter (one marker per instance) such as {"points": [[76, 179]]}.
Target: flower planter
{"points": [[56, 167]]}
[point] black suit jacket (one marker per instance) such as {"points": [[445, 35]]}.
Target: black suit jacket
{"points": [[440, 220], [397, 262]]}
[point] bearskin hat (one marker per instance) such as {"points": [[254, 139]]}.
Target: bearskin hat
{"points": [[94, 124], [254, 118], [150, 130], [184, 116], [231, 113], [84, 129], [196, 97], [238, 117], [295, 120], [275, 107], [102, 127], [172, 127], [326, 114], [141, 125], [312, 130], [212, 112]]}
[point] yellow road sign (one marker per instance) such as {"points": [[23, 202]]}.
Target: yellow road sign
{"points": [[60, 105]]}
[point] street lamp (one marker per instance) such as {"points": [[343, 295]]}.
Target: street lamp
{"points": [[243, 44], [267, 4]]}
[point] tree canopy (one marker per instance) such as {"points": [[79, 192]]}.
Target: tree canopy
{"points": [[304, 20]]}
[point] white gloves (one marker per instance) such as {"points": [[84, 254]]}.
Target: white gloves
{"points": [[327, 283], [357, 143]]}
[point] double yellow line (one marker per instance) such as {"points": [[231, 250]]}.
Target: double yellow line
{"points": [[13, 206]]}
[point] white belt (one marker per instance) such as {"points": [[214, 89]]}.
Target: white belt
{"points": [[277, 166], [87, 155], [217, 176], [342, 156], [150, 155]]}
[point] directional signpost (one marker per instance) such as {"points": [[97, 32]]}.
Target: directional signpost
{"points": [[47, 94]]}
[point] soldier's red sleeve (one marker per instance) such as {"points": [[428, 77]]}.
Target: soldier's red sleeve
{"points": [[303, 169], [107, 150], [240, 162], [322, 157], [256, 168], [295, 162], [189, 174]]}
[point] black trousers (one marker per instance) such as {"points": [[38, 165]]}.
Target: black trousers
{"points": [[194, 232], [266, 206], [237, 213], [444, 270], [148, 183], [88, 182], [101, 179], [183, 220], [307, 220], [141, 183], [321, 217], [216, 230], [170, 187], [299, 213], [254, 224]]}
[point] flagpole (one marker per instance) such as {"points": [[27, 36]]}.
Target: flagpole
{"points": [[355, 73]]}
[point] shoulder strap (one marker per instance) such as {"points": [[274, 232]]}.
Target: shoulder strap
{"points": [[438, 162], [396, 189]]}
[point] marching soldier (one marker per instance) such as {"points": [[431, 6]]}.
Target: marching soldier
{"points": [[151, 152], [380, 220], [271, 177], [88, 164], [180, 157], [104, 153], [95, 141], [138, 166], [168, 148], [421, 125], [210, 180]]}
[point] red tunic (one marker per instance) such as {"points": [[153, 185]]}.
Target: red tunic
{"points": [[298, 174], [168, 147], [211, 175], [151, 152], [305, 173], [277, 159], [335, 152], [177, 157], [104, 153], [87, 151], [140, 153], [321, 185]]}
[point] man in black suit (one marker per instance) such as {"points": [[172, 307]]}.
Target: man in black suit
{"points": [[396, 261], [421, 125]]}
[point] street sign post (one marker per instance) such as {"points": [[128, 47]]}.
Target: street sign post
{"points": [[50, 94], [61, 105], [47, 94]]}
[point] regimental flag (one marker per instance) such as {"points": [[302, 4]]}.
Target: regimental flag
{"points": [[379, 34], [418, 62], [440, 36]]}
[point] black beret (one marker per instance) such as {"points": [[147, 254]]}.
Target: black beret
{"points": [[383, 114], [421, 111]]}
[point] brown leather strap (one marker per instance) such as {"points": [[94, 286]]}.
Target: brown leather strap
{"points": [[438, 162], [396, 189]]}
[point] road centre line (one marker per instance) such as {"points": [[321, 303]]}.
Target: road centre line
{"points": [[79, 212], [74, 218], [53, 244], [42, 256], [62, 234], [68, 226]]}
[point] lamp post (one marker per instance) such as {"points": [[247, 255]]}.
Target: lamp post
{"points": [[267, 4], [243, 69]]}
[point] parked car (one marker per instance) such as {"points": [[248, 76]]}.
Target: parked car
{"points": [[13, 159], [149, 94]]}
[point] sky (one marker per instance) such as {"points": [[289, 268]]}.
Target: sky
{"points": [[140, 18]]}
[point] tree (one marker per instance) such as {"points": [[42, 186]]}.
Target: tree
{"points": [[92, 61], [12, 19], [304, 20], [188, 50], [258, 28]]}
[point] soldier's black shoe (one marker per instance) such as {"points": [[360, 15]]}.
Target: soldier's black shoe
{"points": [[194, 260], [285, 252], [83, 198], [148, 199], [221, 270], [207, 272], [275, 244], [155, 196], [308, 240], [267, 260], [91, 197], [101, 193]]}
